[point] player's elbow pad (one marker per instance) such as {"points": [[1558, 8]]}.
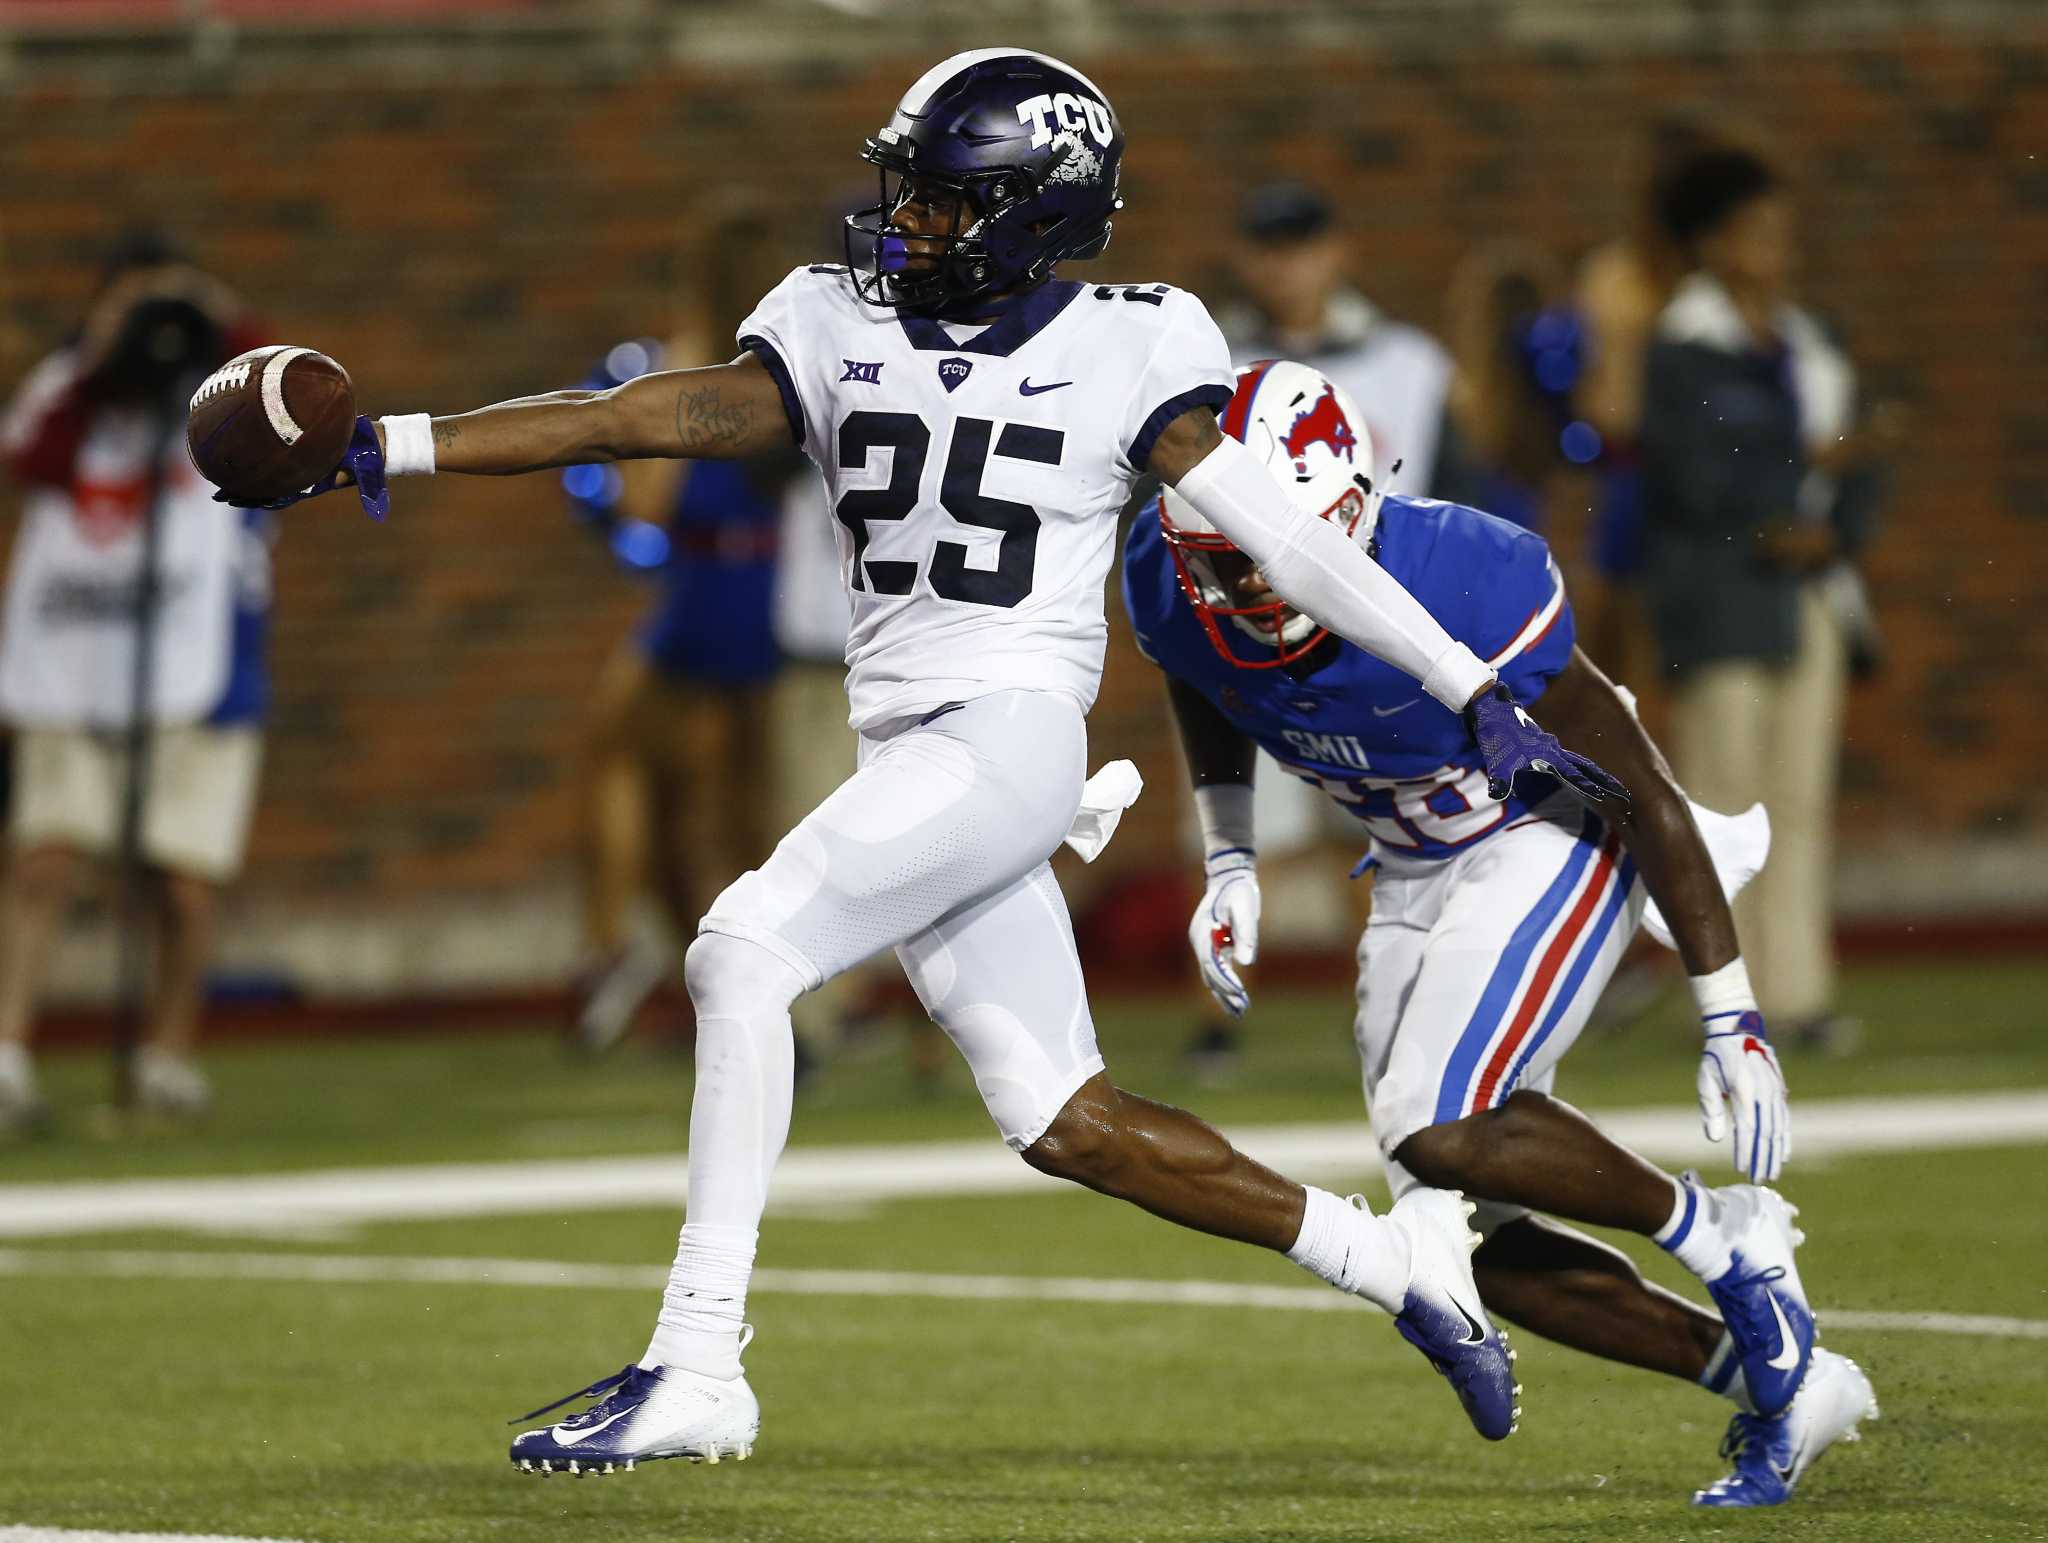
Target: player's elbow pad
{"points": [[1320, 571]]}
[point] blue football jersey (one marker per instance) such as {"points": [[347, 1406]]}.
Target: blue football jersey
{"points": [[1358, 728]]}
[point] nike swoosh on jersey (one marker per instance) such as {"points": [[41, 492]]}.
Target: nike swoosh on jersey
{"points": [[1388, 712], [1788, 1352], [1027, 389]]}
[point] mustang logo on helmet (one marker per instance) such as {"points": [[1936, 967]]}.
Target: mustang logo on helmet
{"points": [[1246, 623], [1322, 424]]}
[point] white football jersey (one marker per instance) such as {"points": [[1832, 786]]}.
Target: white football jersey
{"points": [[976, 472]]}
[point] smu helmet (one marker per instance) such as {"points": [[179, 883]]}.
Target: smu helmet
{"points": [[1312, 437], [1032, 148]]}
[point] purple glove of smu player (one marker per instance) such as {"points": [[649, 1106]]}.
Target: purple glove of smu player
{"points": [[363, 461], [1511, 743]]}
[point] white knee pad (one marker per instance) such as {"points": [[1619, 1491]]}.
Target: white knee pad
{"points": [[729, 977]]}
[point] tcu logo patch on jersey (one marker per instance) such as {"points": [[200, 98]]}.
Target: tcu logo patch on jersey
{"points": [[953, 371], [1046, 113]]}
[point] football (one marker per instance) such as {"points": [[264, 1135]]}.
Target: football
{"points": [[270, 422]]}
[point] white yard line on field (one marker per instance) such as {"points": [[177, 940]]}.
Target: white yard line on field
{"points": [[380, 1270], [815, 1178], [73, 1535]]}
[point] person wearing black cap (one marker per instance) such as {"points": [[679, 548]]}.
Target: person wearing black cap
{"points": [[1291, 262], [1758, 491]]}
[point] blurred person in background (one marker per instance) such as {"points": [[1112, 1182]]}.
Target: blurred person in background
{"points": [[95, 436], [1758, 492], [680, 734], [1623, 288], [1508, 422], [1294, 263]]}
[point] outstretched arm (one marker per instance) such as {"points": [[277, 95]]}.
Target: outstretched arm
{"points": [[1738, 1070], [719, 413]]}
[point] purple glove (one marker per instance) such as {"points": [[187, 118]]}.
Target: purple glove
{"points": [[364, 461], [1511, 742]]}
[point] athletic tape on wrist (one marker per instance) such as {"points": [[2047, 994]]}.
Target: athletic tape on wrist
{"points": [[1225, 810], [1457, 676], [1725, 993], [409, 445]]}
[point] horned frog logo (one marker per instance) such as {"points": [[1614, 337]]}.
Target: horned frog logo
{"points": [[1081, 163]]}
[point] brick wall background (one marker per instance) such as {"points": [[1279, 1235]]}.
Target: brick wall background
{"points": [[456, 243]]}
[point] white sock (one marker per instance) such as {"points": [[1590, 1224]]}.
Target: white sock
{"points": [[739, 1119], [704, 1308], [15, 1067], [1696, 1235], [1352, 1249], [1724, 1375]]}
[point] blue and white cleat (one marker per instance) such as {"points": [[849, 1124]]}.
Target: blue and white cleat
{"points": [[1760, 1297], [1443, 1317], [1771, 1455], [644, 1414]]}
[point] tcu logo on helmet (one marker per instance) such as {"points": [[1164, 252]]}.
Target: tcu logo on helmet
{"points": [[1322, 424], [1067, 111]]}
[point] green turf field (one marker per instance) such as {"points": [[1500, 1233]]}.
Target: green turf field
{"points": [[371, 1409]]}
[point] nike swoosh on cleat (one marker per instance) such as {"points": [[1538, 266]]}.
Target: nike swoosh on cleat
{"points": [[569, 1438], [1788, 1349], [1478, 1335], [1027, 389]]}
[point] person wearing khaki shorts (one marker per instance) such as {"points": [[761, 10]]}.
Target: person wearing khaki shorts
{"points": [[68, 789], [79, 439]]}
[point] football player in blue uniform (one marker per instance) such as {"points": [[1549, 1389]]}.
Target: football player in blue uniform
{"points": [[1499, 912]]}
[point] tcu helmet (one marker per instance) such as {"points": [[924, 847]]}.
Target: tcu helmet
{"points": [[1313, 438], [1032, 147]]}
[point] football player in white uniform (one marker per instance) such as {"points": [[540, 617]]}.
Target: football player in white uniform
{"points": [[979, 422]]}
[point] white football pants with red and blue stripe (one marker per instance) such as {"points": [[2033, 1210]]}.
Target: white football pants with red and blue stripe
{"points": [[1477, 972]]}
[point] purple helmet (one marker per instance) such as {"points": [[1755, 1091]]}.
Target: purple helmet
{"points": [[1033, 147]]}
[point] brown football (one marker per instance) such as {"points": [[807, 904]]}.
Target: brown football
{"points": [[271, 422]]}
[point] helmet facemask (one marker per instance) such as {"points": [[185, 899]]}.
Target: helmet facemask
{"points": [[1210, 567], [1004, 243]]}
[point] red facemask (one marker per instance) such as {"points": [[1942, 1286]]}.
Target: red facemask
{"points": [[1193, 552]]}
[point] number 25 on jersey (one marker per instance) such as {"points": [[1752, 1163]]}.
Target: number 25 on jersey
{"points": [[960, 496]]}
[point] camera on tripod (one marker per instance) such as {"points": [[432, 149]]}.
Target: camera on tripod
{"points": [[163, 342]]}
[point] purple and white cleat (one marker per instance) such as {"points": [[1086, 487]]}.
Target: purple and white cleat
{"points": [[1443, 1316]]}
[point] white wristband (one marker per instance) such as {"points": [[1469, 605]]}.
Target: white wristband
{"points": [[1725, 993], [409, 445], [1225, 809], [1457, 676]]}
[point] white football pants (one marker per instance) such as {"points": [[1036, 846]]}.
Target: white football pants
{"points": [[938, 846], [1477, 973]]}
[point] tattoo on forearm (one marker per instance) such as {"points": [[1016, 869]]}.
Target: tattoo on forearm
{"points": [[705, 420], [446, 432]]}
